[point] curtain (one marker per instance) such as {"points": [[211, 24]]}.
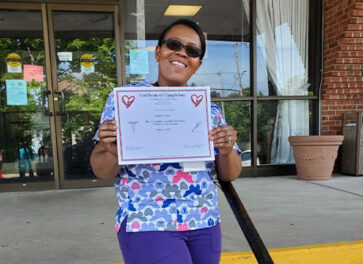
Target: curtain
{"points": [[282, 28]]}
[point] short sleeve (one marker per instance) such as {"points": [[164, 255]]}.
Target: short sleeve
{"points": [[108, 113], [218, 120]]}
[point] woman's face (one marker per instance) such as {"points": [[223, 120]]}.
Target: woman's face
{"points": [[176, 67]]}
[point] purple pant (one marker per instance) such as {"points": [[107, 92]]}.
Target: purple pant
{"points": [[201, 246]]}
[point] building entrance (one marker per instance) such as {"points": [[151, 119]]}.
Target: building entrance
{"points": [[58, 67]]}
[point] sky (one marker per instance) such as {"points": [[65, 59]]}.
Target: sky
{"points": [[219, 68]]}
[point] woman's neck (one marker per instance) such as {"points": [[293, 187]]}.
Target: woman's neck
{"points": [[161, 83]]}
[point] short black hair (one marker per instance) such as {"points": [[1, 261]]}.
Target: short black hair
{"points": [[189, 23]]}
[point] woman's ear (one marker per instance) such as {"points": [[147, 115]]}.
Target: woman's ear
{"points": [[157, 53], [200, 64]]}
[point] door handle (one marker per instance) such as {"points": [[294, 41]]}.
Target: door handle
{"points": [[62, 112], [45, 109]]}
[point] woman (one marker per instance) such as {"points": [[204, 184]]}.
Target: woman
{"points": [[166, 215]]}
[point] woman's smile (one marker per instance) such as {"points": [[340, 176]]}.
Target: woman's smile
{"points": [[178, 64]]}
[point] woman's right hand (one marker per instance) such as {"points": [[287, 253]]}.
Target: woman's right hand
{"points": [[107, 134]]}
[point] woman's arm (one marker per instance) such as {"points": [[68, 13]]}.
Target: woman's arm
{"points": [[227, 162], [104, 156]]}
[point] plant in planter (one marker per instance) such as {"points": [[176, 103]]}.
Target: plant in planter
{"points": [[315, 155]]}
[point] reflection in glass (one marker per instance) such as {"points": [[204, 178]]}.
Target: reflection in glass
{"points": [[272, 143], [24, 126], [220, 69], [226, 65], [86, 71], [282, 60], [238, 115], [282, 47]]}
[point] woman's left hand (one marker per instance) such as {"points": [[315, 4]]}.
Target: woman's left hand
{"points": [[223, 138]]}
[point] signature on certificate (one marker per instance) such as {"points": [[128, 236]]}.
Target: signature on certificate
{"points": [[193, 146]]}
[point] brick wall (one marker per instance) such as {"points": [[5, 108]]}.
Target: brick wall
{"points": [[342, 89]]}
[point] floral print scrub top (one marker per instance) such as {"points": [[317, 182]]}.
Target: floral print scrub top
{"points": [[159, 197]]}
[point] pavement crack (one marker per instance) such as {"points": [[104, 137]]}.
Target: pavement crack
{"points": [[337, 189]]}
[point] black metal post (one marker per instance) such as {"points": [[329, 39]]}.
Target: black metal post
{"points": [[245, 222]]}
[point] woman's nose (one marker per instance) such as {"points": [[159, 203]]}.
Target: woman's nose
{"points": [[182, 52]]}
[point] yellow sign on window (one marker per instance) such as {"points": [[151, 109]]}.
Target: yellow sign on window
{"points": [[13, 62], [87, 63]]}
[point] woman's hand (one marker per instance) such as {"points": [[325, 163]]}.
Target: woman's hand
{"points": [[104, 155], [223, 138], [228, 162], [107, 136]]}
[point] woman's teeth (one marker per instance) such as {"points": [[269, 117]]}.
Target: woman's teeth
{"points": [[178, 63]]}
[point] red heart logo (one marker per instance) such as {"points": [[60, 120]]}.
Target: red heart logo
{"points": [[196, 99], [128, 100]]}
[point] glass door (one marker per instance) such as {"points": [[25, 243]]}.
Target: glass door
{"points": [[26, 152], [84, 59]]}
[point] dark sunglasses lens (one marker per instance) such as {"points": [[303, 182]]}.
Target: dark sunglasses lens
{"points": [[192, 51], [174, 44]]}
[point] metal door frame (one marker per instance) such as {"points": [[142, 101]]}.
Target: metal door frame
{"points": [[46, 9], [61, 182], [30, 186]]}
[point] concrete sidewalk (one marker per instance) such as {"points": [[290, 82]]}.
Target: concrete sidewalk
{"points": [[76, 226]]}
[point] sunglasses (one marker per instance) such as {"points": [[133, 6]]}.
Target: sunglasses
{"points": [[176, 45]]}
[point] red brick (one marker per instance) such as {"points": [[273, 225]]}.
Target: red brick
{"points": [[352, 85], [328, 123], [330, 97], [333, 79], [324, 108], [326, 92], [340, 91], [334, 117], [345, 107], [329, 86], [353, 27], [336, 128], [329, 133], [357, 13], [343, 62], [335, 107], [327, 113], [358, 20], [325, 130], [348, 40], [348, 35], [358, 5], [329, 102]]}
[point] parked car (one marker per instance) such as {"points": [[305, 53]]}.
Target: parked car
{"points": [[246, 158]]}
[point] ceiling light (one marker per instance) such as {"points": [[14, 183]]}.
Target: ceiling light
{"points": [[151, 48], [182, 10]]}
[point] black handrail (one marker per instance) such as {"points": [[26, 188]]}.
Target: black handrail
{"points": [[245, 222]]}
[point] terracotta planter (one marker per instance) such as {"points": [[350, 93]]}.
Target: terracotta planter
{"points": [[315, 155]]}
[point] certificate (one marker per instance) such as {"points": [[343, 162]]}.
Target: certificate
{"points": [[163, 124]]}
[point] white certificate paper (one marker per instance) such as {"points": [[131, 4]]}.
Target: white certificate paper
{"points": [[163, 124]]}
